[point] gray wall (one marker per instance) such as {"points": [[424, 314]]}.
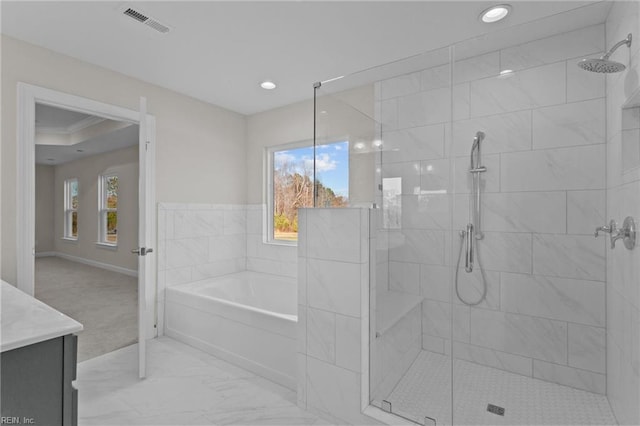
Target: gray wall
{"points": [[124, 162], [197, 143], [44, 208]]}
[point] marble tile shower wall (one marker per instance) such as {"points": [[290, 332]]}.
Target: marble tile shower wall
{"points": [[199, 241], [544, 192], [623, 199], [333, 312]]}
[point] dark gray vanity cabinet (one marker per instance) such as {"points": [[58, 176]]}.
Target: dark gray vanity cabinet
{"points": [[36, 383]]}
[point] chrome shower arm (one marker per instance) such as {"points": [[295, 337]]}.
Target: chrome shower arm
{"points": [[626, 41]]}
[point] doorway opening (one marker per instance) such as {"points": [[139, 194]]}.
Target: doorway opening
{"points": [[110, 236], [86, 222]]}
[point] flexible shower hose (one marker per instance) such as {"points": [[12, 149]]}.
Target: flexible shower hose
{"points": [[484, 280]]}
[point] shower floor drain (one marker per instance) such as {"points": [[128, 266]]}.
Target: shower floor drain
{"points": [[495, 409]]}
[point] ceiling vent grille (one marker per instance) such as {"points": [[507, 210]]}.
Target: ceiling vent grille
{"points": [[135, 15], [144, 19]]}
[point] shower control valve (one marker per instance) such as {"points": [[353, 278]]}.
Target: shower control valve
{"points": [[627, 233]]}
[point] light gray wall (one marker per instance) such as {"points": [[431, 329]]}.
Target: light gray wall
{"points": [[199, 145], [623, 199], [124, 162], [44, 208], [350, 119], [292, 123]]}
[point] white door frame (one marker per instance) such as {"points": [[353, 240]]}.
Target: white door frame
{"points": [[28, 96]]}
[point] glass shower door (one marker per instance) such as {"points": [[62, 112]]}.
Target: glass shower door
{"points": [[410, 355], [396, 118]]}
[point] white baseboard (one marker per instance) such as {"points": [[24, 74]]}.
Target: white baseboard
{"points": [[95, 263], [46, 254]]}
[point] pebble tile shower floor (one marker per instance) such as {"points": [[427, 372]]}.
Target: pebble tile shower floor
{"points": [[425, 390]]}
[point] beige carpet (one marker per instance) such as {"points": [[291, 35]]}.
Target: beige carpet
{"points": [[104, 302]]}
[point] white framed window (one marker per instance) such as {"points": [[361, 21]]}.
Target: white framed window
{"points": [[108, 209], [290, 184], [71, 209]]}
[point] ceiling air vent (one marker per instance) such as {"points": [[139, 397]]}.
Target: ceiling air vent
{"points": [[150, 22], [136, 15]]}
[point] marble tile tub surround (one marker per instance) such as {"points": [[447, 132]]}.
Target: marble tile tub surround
{"points": [[333, 313], [544, 192], [623, 199], [199, 241]]}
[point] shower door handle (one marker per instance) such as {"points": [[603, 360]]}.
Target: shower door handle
{"points": [[468, 259]]}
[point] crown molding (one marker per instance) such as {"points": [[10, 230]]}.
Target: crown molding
{"points": [[72, 128]]}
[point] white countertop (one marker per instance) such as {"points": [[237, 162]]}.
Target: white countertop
{"points": [[26, 320]]}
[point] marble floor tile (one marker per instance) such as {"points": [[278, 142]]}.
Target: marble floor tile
{"points": [[184, 386]]}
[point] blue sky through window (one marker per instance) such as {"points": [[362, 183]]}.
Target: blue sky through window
{"points": [[332, 164]]}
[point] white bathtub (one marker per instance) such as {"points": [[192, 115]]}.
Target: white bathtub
{"points": [[246, 318]]}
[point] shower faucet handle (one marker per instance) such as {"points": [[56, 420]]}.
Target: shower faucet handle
{"points": [[608, 229], [627, 234]]}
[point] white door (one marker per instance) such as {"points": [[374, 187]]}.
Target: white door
{"points": [[144, 251]]}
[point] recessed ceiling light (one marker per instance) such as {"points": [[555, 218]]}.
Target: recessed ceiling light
{"points": [[495, 13], [506, 73], [268, 85]]}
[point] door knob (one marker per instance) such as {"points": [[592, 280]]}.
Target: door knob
{"points": [[142, 251]]}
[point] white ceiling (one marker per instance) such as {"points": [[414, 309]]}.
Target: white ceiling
{"points": [[53, 155], [49, 117], [220, 51], [63, 135]]}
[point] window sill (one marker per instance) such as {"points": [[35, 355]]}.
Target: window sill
{"points": [[282, 243], [69, 239], [107, 246]]}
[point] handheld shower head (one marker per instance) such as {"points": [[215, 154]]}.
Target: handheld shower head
{"points": [[479, 137], [475, 149], [603, 64]]}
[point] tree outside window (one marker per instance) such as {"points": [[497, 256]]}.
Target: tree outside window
{"points": [[293, 184], [109, 209], [71, 209]]}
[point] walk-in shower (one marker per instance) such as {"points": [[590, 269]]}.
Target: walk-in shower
{"points": [[488, 294], [470, 236]]}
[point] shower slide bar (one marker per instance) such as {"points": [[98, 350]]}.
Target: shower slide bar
{"points": [[473, 231]]}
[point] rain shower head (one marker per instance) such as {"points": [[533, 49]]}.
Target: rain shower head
{"points": [[601, 65], [604, 65]]}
